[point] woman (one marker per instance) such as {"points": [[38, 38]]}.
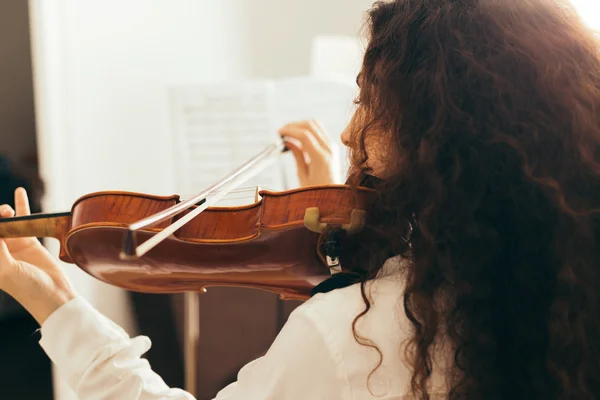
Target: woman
{"points": [[480, 119]]}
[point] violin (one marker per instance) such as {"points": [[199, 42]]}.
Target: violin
{"points": [[162, 244]]}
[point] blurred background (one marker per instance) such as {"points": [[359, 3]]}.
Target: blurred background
{"points": [[121, 95]]}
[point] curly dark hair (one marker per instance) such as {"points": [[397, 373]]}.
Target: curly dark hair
{"points": [[492, 109]]}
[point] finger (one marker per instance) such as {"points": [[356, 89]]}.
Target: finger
{"points": [[315, 130], [21, 202], [322, 134], [309, 143], [301, 163], [6, 211]]}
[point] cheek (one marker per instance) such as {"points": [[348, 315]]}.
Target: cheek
{"points": [[377, 149], [377, 154]]}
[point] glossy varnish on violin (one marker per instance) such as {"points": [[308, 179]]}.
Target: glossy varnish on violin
{"points": [[265, 245]]}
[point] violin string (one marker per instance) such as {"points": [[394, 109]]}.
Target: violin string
{"points": [[249, 198], [243, 190], [211, 196], [237, 198], [250, 192]]}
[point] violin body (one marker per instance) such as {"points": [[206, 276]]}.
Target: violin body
{"points": [[267, 245]]}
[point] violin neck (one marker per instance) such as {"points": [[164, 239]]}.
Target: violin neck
{"points": [[37, 225]]}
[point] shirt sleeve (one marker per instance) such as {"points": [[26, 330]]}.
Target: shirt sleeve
{"points": [[100, 361], [97, 357]]}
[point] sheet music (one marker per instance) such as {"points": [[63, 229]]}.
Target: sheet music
{"points": [[218, 127]]}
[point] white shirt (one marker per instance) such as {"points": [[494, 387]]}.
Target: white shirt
{"points": [[315, 356]]}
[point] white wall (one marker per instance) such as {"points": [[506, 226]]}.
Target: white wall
{"points": [[279, 32], [102, 69], [589, 11]]}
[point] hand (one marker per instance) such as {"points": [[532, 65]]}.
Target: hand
{"points": [[28, 272], [310, 145]]}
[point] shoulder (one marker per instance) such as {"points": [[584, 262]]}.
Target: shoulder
{"points": [[382, 296], [359, 342]]}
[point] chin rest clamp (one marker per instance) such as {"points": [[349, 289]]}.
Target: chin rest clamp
{"points": [[312, 221]]}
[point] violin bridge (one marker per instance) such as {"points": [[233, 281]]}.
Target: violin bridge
{"points": [[128, 250]]}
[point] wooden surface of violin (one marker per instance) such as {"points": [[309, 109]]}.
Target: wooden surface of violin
{"points": [[271, 245]]}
